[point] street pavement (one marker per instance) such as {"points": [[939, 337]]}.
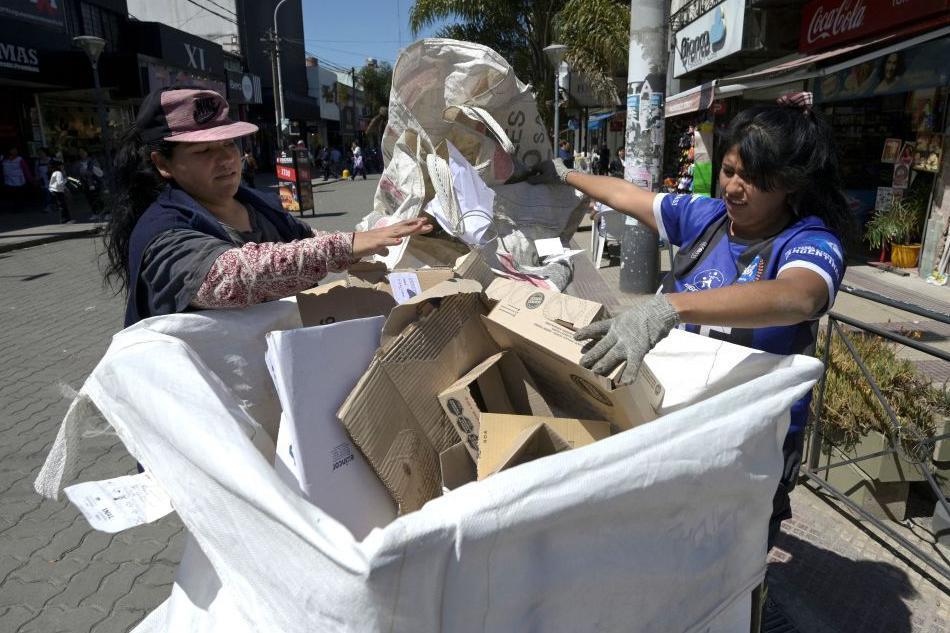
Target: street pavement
{"points": [[828, 573]]}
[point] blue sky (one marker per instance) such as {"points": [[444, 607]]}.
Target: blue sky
{"points": [[346, 32]]}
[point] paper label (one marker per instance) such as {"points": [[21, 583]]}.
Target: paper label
{"points": [[548, 247], [405, 286], [113, 505]]}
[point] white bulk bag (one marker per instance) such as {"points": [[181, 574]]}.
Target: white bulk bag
{"points": [[661, 528]]}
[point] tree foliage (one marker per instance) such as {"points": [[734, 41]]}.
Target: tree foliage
{"points": [[376, 81], [596, 33]]}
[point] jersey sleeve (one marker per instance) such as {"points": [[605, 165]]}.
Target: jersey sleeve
{"points": [[682, 218], [819, 252]]}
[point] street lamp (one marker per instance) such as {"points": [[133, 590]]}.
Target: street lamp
{"points": [[555, 53], [279, 86], [93, 46]]}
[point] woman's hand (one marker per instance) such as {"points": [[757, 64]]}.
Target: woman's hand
{"points": [[628, 337], [376, 241]]}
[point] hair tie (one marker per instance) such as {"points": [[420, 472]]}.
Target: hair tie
{"points": [[801, 100]]}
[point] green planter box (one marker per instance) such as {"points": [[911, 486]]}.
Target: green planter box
{"points": [[882, 499], [885, 468]]}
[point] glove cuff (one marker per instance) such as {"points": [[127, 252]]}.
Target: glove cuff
{"points": [[667, 313]]}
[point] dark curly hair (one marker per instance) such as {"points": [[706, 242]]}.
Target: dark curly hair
{"points": [[787, 147], [137, 184]]}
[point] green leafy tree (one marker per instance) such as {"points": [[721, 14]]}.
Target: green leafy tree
{"points": [[596, 33], [376, 81]]}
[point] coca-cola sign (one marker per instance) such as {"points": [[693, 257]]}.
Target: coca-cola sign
{"points": [[826, 23]]}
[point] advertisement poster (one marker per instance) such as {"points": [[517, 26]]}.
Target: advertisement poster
{"points": [[287, 183], [928, 152], [48, 14], [901, 176], [921, 67], [922, 104], [885, 195], [892, 148]]}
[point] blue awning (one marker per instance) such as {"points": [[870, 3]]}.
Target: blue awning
{"points": [[597, 119]]}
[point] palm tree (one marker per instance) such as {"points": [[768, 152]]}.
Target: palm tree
{"points": [[596, 33]]}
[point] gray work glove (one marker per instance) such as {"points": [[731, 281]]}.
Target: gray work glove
{"points": [[550, 172], [628, 337]]}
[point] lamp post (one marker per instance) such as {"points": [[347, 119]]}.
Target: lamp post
{"points": [[279, 87], [555, 53], [93, 46]]}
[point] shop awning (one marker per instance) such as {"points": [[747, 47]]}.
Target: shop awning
{"points": [[597, 119], [801, 67]]}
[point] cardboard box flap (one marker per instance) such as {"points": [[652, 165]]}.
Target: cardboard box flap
{"points": [[393, 414], [499, 384], [473, 266], [516, 298], [457, 467], [417, 307], [533, 443], [499, 432], [336, 301]]}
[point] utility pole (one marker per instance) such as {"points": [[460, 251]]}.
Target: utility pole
{"points": [[639, 252], [269, 42], [353, 99]]}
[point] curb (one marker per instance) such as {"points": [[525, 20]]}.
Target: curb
{"points": [[46, 239]]}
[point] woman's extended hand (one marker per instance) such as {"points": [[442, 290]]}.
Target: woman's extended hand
{"points": [[376, 241], [627, 337]]}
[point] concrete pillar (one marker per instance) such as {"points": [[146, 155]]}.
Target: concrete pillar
{"points": [[646, 83]]}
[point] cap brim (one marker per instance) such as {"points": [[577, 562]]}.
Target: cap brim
{"points": [[219, 133]]}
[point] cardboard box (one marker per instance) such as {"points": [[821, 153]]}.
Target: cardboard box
{"points": [[457, 467], [533, 443], [393, 414], [539, 326], [503, 438], [500, 384]]}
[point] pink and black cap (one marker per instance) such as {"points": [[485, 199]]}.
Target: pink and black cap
{"points": [[188, 115]]}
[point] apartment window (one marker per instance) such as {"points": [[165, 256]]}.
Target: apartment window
{"points": [[96, 21]]}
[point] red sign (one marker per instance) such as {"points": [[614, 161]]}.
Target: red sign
{"points": [[286, 173], [827, 23]]}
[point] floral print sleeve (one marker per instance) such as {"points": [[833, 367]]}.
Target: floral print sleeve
{"points": [[255, 273]]}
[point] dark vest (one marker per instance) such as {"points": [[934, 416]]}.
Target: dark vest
{"points": [[175, 209]]}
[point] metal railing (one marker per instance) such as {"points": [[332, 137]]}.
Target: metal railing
{"points": [[922, 447]]}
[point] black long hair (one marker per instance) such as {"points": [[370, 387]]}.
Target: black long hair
{"points": [[788, 147], [137, 184]]}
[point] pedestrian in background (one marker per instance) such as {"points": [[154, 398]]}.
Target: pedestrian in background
{"points": [[184, 233], [90, 175], [336, 162], [566, 153], [16, 177], [358, 166], [42, 175], [603, 157], [57, 191], [616, 165], [248, 168]]}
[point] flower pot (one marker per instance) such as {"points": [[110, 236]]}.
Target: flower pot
{"points": [[905, 255]]}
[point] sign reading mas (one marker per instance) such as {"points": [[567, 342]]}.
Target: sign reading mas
{"points": [[714, 35]]}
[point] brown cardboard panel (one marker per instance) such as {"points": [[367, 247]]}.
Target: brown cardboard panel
{"points": [[420, 306], [457, 467], [533, 443], [393, 414], [473, 266], [339, 302], [499, 434], [500, 384]]}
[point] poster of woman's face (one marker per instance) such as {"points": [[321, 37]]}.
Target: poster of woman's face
{"points": [[892, 148]]}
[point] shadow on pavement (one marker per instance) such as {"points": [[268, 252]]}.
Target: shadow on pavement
{"points": [[822, 591]]}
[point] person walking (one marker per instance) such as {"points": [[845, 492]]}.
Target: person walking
{"points": [[90, 175], [57, 191], [358, 166], [603, 158], [566, 153], [336, 162], [248, 168], [616, 165], [16, 177]]}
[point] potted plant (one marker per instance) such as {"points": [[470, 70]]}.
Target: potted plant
{"points": [[898, 227]]}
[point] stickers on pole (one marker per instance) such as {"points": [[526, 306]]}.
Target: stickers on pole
{"points": [[113, 505]]}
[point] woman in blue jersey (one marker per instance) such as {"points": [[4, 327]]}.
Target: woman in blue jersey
{"points": [[756, 267]]}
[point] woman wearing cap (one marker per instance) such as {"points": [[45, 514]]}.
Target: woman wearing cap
{"points": [[185, 234]]}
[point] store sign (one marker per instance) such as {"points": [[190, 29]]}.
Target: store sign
{"points": [[15, 57], [48, 13], [827, 23], [715, 35], [188, 51], [160, 76], [243, 88]]}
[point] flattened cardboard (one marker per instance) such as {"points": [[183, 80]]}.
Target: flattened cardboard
{"points": [[393, 414], [338, 301], [418, 307], [498, 385], [533, 443], [499, 435], [457, 467]]}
